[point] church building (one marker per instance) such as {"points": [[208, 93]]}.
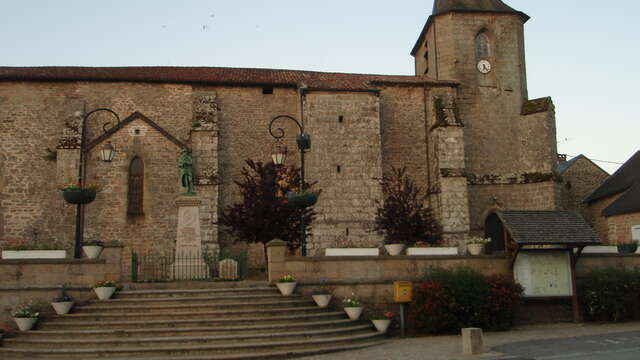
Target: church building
{"points": [[463, 125]]}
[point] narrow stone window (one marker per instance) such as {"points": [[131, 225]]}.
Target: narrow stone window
{"points": [[340, 118], [267, 91], [426, 57], [482, 46], [136, 188]]}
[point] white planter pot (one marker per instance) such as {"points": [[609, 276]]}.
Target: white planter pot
{"points": [[25, 324], [92, 251], [353, 312], [434, 251], [62, 308], [394, 249], [286, 288], [475, 249], [381, 325], [352, 252], [600, 249], [34, 254], [104, 293], [322, 300]]}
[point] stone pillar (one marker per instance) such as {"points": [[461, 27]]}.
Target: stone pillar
{"points": [[276, 255], [188, 257], [472, 343]]}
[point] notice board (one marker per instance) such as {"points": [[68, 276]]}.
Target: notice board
{"points": [[544, 273]]}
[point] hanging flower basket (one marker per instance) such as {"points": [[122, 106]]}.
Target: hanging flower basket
{"points": [[302, 200], [82, 196]]}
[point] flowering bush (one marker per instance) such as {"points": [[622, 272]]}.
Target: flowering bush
{"points": [[25, 311], [610, 294], [105, 283], [287, 279], [451, 299], [79, 187], [351, 301]]}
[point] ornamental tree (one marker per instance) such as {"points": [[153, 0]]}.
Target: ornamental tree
{"points": [[402, 216], [263, 213]]}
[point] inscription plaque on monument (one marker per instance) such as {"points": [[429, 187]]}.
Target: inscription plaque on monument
{"points": [[544, 273]]}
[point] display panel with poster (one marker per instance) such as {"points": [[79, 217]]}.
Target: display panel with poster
{"points": [[544, 273]]}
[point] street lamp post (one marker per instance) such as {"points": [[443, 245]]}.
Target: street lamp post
{"points": [[107, 152], [279, 154]]}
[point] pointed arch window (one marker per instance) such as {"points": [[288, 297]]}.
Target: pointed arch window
{"points": [[482, 46], [136, 188]]}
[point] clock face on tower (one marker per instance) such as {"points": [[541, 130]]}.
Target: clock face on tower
{"points": [[484, 66]]}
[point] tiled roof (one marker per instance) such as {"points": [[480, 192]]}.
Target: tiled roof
{"points": [[628, 203], [547, 228], [623, 179], [216, 75], [564, 166]]}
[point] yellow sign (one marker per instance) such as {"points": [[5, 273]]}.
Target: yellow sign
{"points": [[402, 291]]}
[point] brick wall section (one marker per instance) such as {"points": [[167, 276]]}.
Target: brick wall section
{"points": [[619, 227], [598, 222], [347, 204], [582, 179]]}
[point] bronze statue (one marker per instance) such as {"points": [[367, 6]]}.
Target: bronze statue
{"points": [[185, 163]]}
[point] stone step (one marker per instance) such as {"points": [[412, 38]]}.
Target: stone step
{"points": [[237, 348], [175, 340], [187, 331], [248, 355], [195, 292], [185, 315], [222, 299], [103, 308], [181, 323]]}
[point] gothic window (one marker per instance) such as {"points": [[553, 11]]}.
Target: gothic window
{"points": [[136, 187], [482, 46]]}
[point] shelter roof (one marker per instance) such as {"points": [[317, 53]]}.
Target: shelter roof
{"points": [[627, 176], [548, 228], [218, 76]]}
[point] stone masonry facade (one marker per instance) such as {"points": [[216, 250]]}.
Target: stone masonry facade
{"points": [[474, 141]]}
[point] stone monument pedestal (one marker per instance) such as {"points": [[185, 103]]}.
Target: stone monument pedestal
{"points": [[189, 263]]}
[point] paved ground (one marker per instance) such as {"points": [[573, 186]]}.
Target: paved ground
{"points": [[541, 342]]}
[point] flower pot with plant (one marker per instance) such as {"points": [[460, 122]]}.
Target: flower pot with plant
{"points": [[322, 296], [62, 304], [25, 317], [381, 320], [104, 289], [35, 249], [353, 307], [344, 246], [475, 245], [402, 216], [77, 193], [421, 248], [628, 247], [286, 284], [92, 248], [394, 247]]}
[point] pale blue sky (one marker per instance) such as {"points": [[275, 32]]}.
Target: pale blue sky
{"points": [[583, 53]]}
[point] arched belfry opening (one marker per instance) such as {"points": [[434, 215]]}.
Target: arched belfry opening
{"points": [[135, 198], [483, 47], [494, 229]]}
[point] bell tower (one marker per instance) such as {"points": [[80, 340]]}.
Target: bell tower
{"points": [[480, 45]]}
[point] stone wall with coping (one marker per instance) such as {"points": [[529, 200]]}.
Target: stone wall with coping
{"points": [[39, 281]]}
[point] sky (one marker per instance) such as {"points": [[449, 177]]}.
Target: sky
{"points": [[582, 53]]}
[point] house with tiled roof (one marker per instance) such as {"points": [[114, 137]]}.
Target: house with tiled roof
{"points": [[615, 205]]}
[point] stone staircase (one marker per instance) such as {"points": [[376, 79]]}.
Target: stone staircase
{"points": [[189, 324]]}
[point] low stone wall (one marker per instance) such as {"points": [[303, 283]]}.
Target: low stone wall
{"points": [[39, 281], [371, 278]]}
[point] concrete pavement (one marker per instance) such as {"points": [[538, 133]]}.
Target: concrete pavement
{"points": [[450, 347]]}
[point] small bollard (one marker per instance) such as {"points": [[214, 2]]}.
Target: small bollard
{"points": [[472, 341]]}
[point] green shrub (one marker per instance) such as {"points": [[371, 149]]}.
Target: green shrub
{"points": [[610, 294], [451, 299]]}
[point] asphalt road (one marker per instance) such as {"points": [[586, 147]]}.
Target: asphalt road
{"points": [[614, 346]]}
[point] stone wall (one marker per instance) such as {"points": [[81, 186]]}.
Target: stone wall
{"points": [[346, 161], [581, 179], [600, 223], [39, 281], [619, 227]]}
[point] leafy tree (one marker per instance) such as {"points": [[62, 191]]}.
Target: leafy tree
{"points": [[263, 214], [402, 216]]}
